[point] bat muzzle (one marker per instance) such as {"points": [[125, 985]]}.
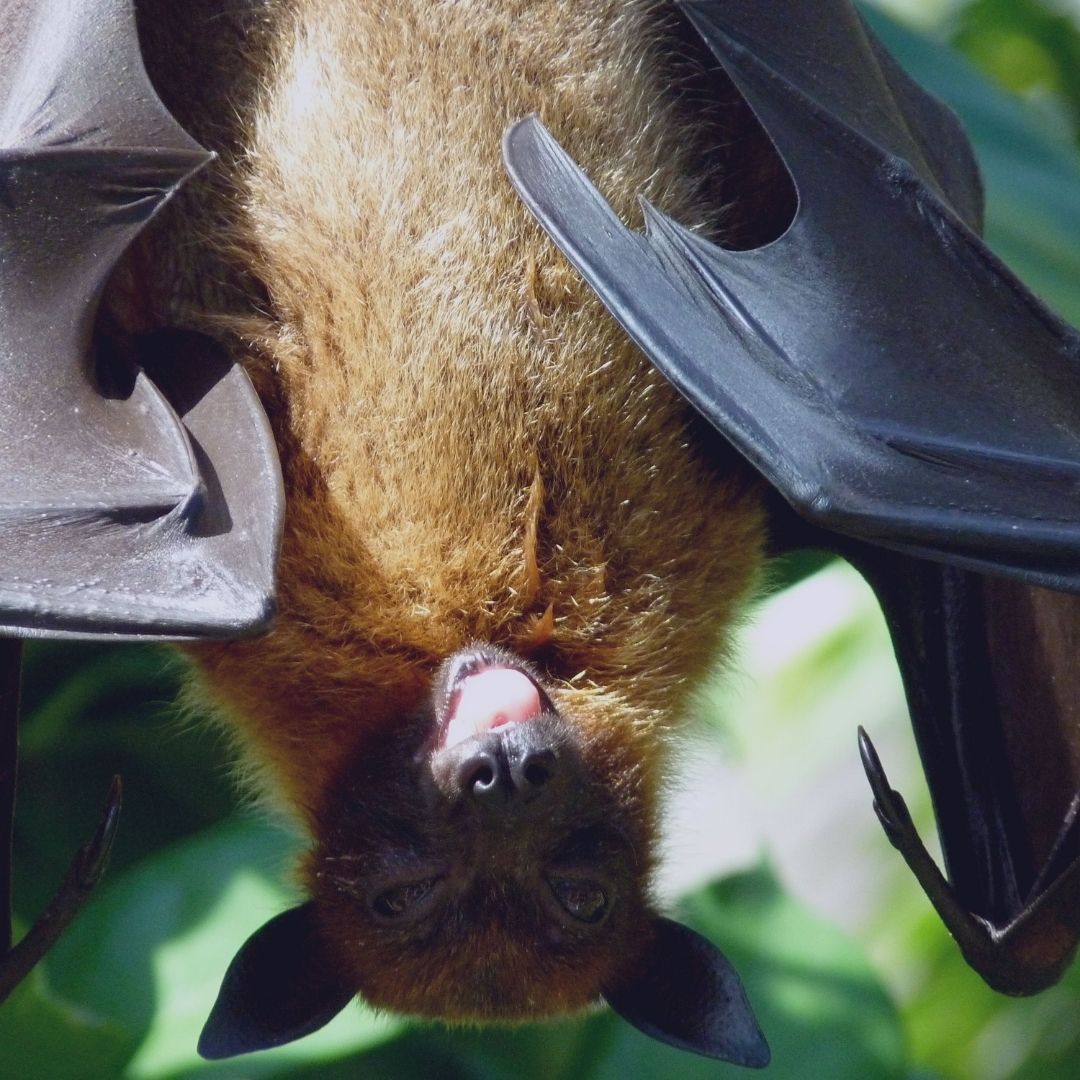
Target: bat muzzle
{"points": [[518, 769]]}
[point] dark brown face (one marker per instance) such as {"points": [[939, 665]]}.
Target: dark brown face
{"points": [[486, 859]]}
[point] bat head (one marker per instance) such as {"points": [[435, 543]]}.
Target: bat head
{"points": [[487, 860]]}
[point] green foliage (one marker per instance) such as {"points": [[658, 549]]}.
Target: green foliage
{"points": [[1026, 45]]}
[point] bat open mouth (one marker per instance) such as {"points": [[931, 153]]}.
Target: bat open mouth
{"points": [[484, 690]]}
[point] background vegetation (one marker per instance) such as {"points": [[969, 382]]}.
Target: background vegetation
{"points": [[775, 852]]}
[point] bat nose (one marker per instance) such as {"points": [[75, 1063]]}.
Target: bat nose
{"points": [[495, 774], [511, 768], [478, 776], [523, 768]]}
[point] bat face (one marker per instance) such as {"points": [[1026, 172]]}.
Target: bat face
{"points": [[485, 859], [489, 875]]}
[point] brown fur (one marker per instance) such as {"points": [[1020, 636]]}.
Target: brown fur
{"points": [[472, 450]]}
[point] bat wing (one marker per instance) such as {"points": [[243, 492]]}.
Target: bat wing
{"points": [[907, 395], [877, 363], [151, 509]]}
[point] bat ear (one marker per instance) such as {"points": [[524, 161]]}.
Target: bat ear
{"points": [[685, 992], [279, 987]]}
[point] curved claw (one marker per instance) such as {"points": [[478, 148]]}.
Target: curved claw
{"points": [[976, 938], [91, 859], [889, 804], [83, 873]]}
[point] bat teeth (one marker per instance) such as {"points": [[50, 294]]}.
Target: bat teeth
{"points": [[462, 667]]}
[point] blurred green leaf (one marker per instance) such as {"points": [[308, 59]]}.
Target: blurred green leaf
{"points": [[1025, 45], [91, 712], [43, 1038]]}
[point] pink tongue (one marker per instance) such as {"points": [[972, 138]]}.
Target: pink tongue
{"points": [[490, 699]]}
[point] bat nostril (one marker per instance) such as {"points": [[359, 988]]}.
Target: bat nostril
{"points": [[478, 777], [482, 779], [537, 775], [535, 772]]}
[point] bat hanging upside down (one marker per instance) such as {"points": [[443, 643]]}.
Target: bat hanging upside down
{"points": [[510, 550], [507, 557]]}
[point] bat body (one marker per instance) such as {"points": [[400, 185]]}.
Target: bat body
{"points": [[448, 400], [482, 475]]}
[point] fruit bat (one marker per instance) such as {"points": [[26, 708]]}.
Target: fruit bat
{"points": [[508, 548], [451, 700]]}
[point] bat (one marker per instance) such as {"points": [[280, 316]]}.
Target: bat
{"points": [[461, 720], [509, 548]]}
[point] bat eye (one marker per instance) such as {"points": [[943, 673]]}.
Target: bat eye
{"points": [[585, 900], [403, 899]]}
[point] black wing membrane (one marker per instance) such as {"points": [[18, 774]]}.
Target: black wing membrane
{"points": [[910, 398], [148, 512]]}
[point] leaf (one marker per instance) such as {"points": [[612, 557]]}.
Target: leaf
{"points": [[45, 1037], [110, 711], [1025, 45]]}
